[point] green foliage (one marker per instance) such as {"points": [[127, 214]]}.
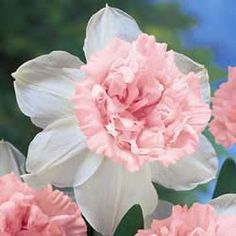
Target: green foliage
{"points": [[205, 57], [179, 197], [129, 225], [227, 179], [131, 222], [220, 150], [14, 126]]}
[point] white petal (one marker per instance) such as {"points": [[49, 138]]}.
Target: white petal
{"points": [[162, 211], [111, 192], [190, 171], [59, 155], [107, 23], [11, 159], [186, 65], [225, 204], [45, 85]]}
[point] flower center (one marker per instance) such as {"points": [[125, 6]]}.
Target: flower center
{"points": [[124, 105], [141, 107]]}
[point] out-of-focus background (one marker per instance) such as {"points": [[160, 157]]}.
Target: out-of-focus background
{"points": [[203, 30]]}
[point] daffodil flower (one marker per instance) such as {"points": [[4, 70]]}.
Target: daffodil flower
{"points": [[132, 115]]}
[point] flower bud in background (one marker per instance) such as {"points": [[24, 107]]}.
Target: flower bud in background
{"points": [[215, 219], [223, 126], [44, 212]]}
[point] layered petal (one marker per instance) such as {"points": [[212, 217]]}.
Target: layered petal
{"points": [[56, 203], [223, 125], [225, 204], [59, 155], [199, 220], [111, 191], [44, 86], [106, 24], [11, 159], [190, 171], [135, 106], [10, 184], [204, 220], [24, 211], [163, 210], [187, 65]]}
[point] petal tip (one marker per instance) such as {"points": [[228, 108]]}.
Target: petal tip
{"points": [[13, 74]]}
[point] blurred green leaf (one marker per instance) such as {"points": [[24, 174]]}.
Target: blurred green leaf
{"points": [[94, 234], [131, 222], [227, 179], [220, 150], [179, 197]]}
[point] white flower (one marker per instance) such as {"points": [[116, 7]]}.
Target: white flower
{"points": [[59, 154], [11, 159]]}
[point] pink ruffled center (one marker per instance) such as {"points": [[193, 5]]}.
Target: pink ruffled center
{"points": [[135, 106], [24, 212], [20, 216], [199, 220]]}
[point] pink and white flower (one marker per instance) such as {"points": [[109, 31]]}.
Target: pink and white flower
{"points": [[135, 106], [215, 219], [223, 126], [138, 109], [25, 212]]}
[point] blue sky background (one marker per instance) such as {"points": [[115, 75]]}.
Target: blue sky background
{"points": [[216, 28]]}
